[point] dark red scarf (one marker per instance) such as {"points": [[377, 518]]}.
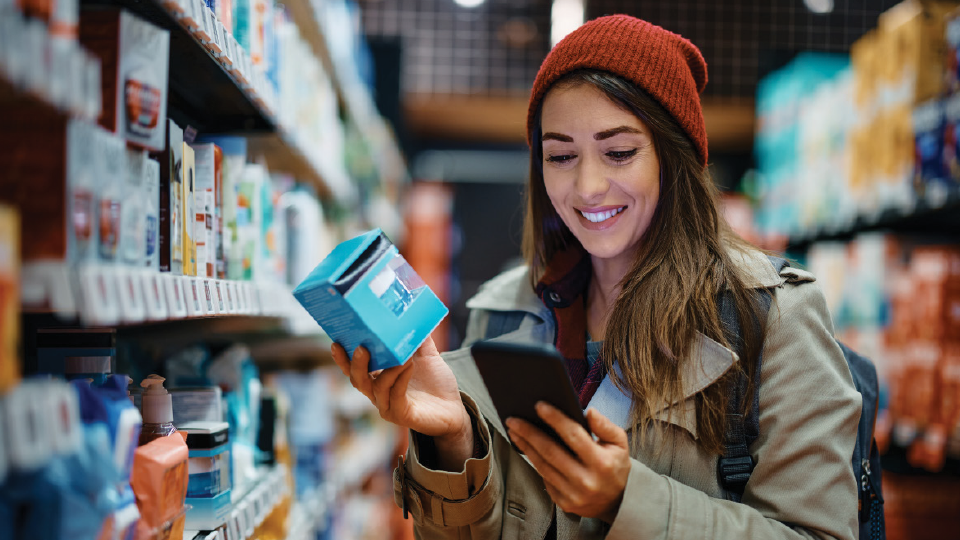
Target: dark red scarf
{"points": [[563, 289]]}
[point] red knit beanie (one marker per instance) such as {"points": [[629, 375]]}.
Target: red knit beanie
{"points": [[666, 65]]}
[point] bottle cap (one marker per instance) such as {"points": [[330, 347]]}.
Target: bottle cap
{"points": [[156, 405]]}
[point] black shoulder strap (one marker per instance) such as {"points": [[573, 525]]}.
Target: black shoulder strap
{"points": [[736, 464]]}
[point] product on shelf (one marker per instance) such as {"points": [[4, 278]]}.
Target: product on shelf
{"points": [[188, 212], [364, 292], [159, 481], [171, 202], [206, 210], [233, 163], [151, 201], [156, 405], [208, 491], [132, 224], [9, 300], [196, 404], [134, 56], [111, 154]]}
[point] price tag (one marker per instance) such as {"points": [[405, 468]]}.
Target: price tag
{"points": [[154, 298], [191, 286], [98, 289], [219, 297], [230, 303], [176, 299], [132, 306], [207, 290]]}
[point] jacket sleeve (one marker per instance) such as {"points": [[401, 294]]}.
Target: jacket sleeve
{"points": [[803, 484], [450, 505]]}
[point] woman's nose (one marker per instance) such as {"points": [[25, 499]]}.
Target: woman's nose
{"points": [[591, 181]]}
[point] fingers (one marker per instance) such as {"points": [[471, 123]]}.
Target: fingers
{"points": [[544, 454], [340, 358], [398, 391], [383, 385], [606, 431], [359, 376], [570, 431]]}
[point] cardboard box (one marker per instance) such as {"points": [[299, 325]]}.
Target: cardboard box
{"points": [[151, 201], [134, 57], [365, 293], [206, 167]]}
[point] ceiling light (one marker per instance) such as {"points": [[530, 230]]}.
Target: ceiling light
{"points": [[565, 17], [468, 3], [819, 6]]}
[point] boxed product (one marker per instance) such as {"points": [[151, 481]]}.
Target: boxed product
{"points": [[9, 299], [233, 163], [365, 293], [188, 213], [134, 55], [197, 404], [915, 43], [132, 222], [77, 353], [951, 142], [209, 445], [171, 202], [151, 205], [206, 210], [112, 169], [929, 137]]}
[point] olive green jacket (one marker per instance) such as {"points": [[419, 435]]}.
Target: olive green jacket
{"points": [[803, 485]]}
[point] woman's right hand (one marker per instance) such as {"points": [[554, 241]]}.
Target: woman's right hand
{"points": [[421, 395]]}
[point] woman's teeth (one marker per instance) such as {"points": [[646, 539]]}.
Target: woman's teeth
{"points": [[597, 217]]}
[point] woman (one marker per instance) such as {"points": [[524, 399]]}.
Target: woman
{"points": [[625, 245]]}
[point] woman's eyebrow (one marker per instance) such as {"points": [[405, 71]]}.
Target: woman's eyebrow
{"points": [[556, 137], [616, 131]]}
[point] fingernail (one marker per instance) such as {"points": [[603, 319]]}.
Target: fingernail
{"points": [[543, 406], [510, 423]]}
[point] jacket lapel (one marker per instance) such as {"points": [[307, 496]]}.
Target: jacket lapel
{"points": [[709, 360]]}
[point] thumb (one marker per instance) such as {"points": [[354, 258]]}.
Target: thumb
{"points": [[605, 430]]}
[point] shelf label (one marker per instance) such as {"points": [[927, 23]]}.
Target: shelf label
{"points": [[207, 292], [98, 290], [228, 292], [192, 292], [218, 287], [176, 300], [154, 298], [131, 295]]}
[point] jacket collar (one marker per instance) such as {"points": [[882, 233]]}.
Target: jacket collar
{"points": [[512, 291]]}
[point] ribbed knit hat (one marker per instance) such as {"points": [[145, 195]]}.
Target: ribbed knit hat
{"points": [[666, 65]]}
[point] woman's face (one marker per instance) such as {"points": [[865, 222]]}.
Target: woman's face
{"points": [[601, 170]]}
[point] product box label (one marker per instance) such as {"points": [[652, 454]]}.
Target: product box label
{"points": [[365, 293]]}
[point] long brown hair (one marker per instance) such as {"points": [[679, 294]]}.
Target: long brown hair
{"points": [[681, 266]]}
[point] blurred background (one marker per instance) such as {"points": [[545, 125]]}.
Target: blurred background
{"points": [[171, 169]]}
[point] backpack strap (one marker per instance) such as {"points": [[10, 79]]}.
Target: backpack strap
{"points": [[736, 464]]}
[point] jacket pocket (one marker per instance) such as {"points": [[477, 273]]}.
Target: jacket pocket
{"points": [[513, 521]]}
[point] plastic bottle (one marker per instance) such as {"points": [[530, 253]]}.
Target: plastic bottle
{"points": [[156, 406]]}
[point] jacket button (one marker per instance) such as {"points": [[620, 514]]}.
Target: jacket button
{"points": [[554, 297]]}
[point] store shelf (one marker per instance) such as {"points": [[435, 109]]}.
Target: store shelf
{"points": [[937, 212], [102, 295], [283, 153], [203, 94]]}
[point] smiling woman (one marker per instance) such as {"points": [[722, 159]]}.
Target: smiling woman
{"points": [[628, 259]]}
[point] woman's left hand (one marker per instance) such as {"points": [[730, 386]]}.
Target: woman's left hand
{"points": [[590, 482]]}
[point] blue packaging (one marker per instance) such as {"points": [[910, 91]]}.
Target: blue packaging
{"points": [[365, 293], [928, 124], [209, 451], [208, 513], [108, 404]]}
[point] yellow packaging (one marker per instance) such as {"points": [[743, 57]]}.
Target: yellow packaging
{"points": [[159, 481], [9, 297], [916, 51], [189, 187]]}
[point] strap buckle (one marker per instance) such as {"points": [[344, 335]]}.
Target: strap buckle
{"points": [[734, 473]]}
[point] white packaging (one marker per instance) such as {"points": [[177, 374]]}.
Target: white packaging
{"points": [[142, 82], [111, 168], [37, 52], [200, 232], [203, 404], [205, 163], [132, 223], [92, 92], [151, 206], [82, 174]]}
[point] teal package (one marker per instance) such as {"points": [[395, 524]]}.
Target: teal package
{"points": [[365, 293]]}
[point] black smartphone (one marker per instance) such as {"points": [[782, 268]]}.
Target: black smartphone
{"points": [[518, 375]]}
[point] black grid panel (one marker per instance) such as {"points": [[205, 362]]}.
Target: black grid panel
{"points": [[447, 48], [451, 49], [742, 40]]}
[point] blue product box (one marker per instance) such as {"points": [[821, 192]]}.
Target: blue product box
{"points": [[208, 513], [365, 293], [951, 140], [209, 452], [928, 133]]}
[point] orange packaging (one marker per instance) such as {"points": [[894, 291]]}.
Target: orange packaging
{"points": [[9, 297], [159, 481]]}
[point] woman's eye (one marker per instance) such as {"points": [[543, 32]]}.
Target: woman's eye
{"points": [[560, 159], [621, 155]]}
